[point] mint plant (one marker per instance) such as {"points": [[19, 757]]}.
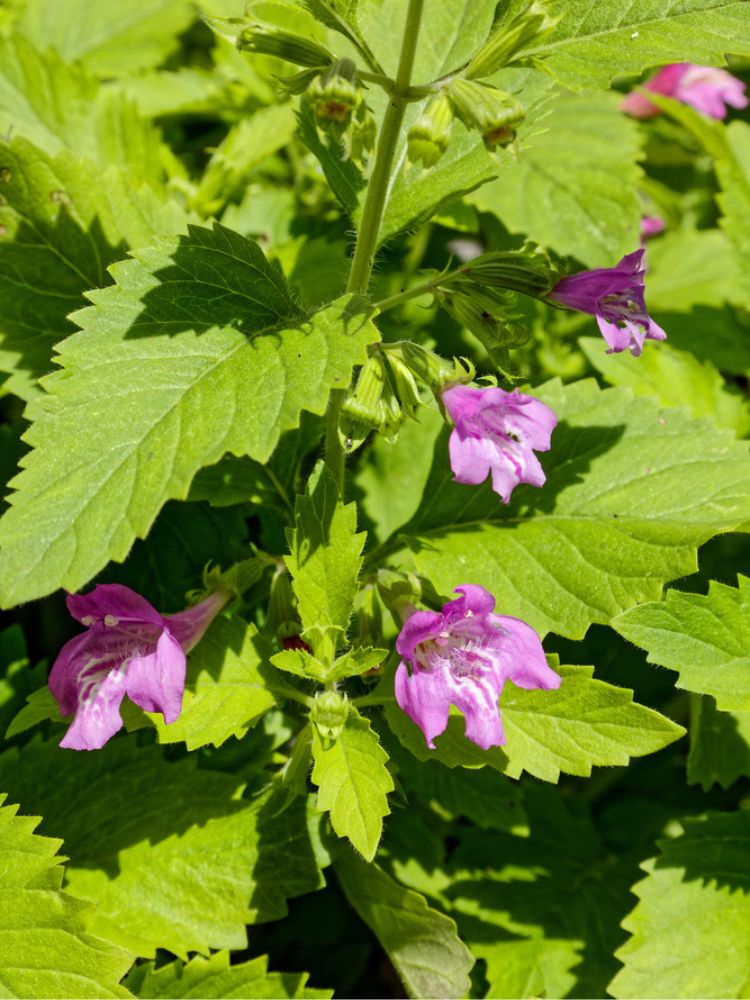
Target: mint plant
{"points": [[372, 429]]}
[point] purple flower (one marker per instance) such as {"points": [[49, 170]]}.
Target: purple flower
{"points": [[615, 296], [497, 431], [128, 649], [704, 88], [462, 656], [651, 225]]}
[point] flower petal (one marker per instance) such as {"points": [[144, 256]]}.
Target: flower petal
{"points": [[98, 716], [63, 678], [114, 600], [418, 627], [156, 682], [189, 626], [471, 457], [522, 655]]}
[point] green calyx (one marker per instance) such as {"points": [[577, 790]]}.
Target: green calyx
{"points": [[329, 714], [335, 95], [271, 41], [430, 134], [508, 40], [493, 113]]}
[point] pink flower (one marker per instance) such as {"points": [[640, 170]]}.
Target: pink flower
{"points": [[462, 656], [496, 432], [705, 88], [651, 225], [615, 295], [128, 649]]}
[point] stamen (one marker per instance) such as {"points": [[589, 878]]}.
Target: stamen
{"points": [[111, 621], [88, 620]]}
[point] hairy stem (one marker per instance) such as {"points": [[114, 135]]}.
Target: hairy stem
{"points": [[377, 190], [372, 213]]}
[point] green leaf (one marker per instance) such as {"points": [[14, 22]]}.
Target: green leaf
{"points": [[422, 943], [705, 638], [574, 187], [675, 378], [719, 744], [481, 795], [227, 689], [702, 873], [57, 106], [692, 267], [512, 897], [592, 45], [110, 450], [17, 678], [215, 979], [584, 723], [108, 39], [62, 222], [344, 178], [40, 707], [46, 948], [172, 855], [246, 146], [353, 782], [325, 558], [631, 493]]}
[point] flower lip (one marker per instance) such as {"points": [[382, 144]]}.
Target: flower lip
{"points": [[127, 649], [615, 296], [462, 656], [708, 89], [496, 433]]}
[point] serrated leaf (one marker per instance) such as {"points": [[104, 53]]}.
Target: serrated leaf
{"points": [[593, 44], [422, 943], [353, 782], [584, 723], [675, 378], [705, 638], [719, 744], [344, 177], [172, 855], [631, 493], [702, 873], [109, 39], [573, 188], [215, 979], [40, 707], [325, 557], [229, 686], [512, 898], [45, 945], [62, 222], [126, 427]]}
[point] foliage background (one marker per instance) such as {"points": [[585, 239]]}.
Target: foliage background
{"points": [[161, 209]]}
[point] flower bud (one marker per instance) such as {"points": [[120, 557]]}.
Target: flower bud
{"points": [[329, 713], [488, 318], [509, 39], [531, 270], [430, 134], [492, 112], [364, 405], [335, 96], [268, 40]]}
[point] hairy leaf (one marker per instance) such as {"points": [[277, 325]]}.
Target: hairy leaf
{"points": [[594, 43], [705, 638], [422, 943], [206, 352], [171, 854], [46, 948], [214, 977], [324, 558], [719, 744], [702, 873], [353, 782]]}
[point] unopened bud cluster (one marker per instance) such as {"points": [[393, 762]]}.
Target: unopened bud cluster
{"points": [[482, 108]]}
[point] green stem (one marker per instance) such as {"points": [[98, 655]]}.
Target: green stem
{"points": [[282, 691], [377, 190], [372, 214], [425, 288], [373, 699]]}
